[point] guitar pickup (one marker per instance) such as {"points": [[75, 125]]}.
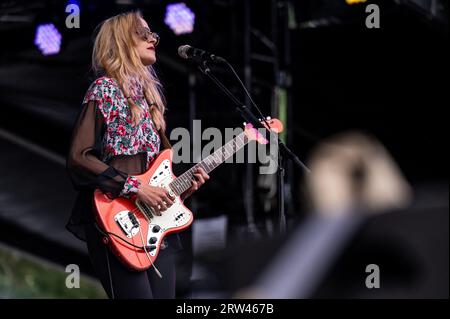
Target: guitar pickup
{"points": [[147, 211]]}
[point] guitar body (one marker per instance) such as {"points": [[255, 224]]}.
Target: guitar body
{"points": [[113, 217], [132, 226]]}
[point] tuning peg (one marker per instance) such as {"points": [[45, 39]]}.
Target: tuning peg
{"points": [[268, 118], [245, 123]]}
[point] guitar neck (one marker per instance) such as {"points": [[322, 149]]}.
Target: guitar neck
{"points": [[184, 181]]}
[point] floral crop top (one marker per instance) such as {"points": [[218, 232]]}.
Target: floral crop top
{"points": [[106, 145], [122, 137]]}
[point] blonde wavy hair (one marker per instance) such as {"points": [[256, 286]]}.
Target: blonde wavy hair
{"points": [[114, 54]]}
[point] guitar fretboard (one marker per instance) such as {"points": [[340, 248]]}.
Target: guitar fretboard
{"points": [[184, 181]]}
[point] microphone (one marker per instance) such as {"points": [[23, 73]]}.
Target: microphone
{"points": [[198, 55]]}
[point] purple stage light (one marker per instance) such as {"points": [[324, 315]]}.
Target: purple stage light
{"points": [[48, 39], [179, 18]]}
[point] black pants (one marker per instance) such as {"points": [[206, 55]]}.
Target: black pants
{"points": [[122, 283]]}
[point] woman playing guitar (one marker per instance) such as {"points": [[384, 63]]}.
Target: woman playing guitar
{"points": [[119, 131]]}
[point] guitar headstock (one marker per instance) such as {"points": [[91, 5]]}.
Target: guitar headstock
{"points": [[252, 133]]}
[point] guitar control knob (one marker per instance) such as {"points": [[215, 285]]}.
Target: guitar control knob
{"points": [[152, 240], [156, 228]]}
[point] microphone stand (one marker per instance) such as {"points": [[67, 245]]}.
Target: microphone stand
{"points": [[249, 117]]}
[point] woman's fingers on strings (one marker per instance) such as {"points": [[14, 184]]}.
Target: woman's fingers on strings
{"points": [[168, 199], [199, 178], [194, 185], [203, 173]]}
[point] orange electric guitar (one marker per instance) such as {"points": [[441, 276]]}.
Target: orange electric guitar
{"points": [[134, 232]]}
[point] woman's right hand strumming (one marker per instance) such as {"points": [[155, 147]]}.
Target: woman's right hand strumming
{"points": [[155, 197]]}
